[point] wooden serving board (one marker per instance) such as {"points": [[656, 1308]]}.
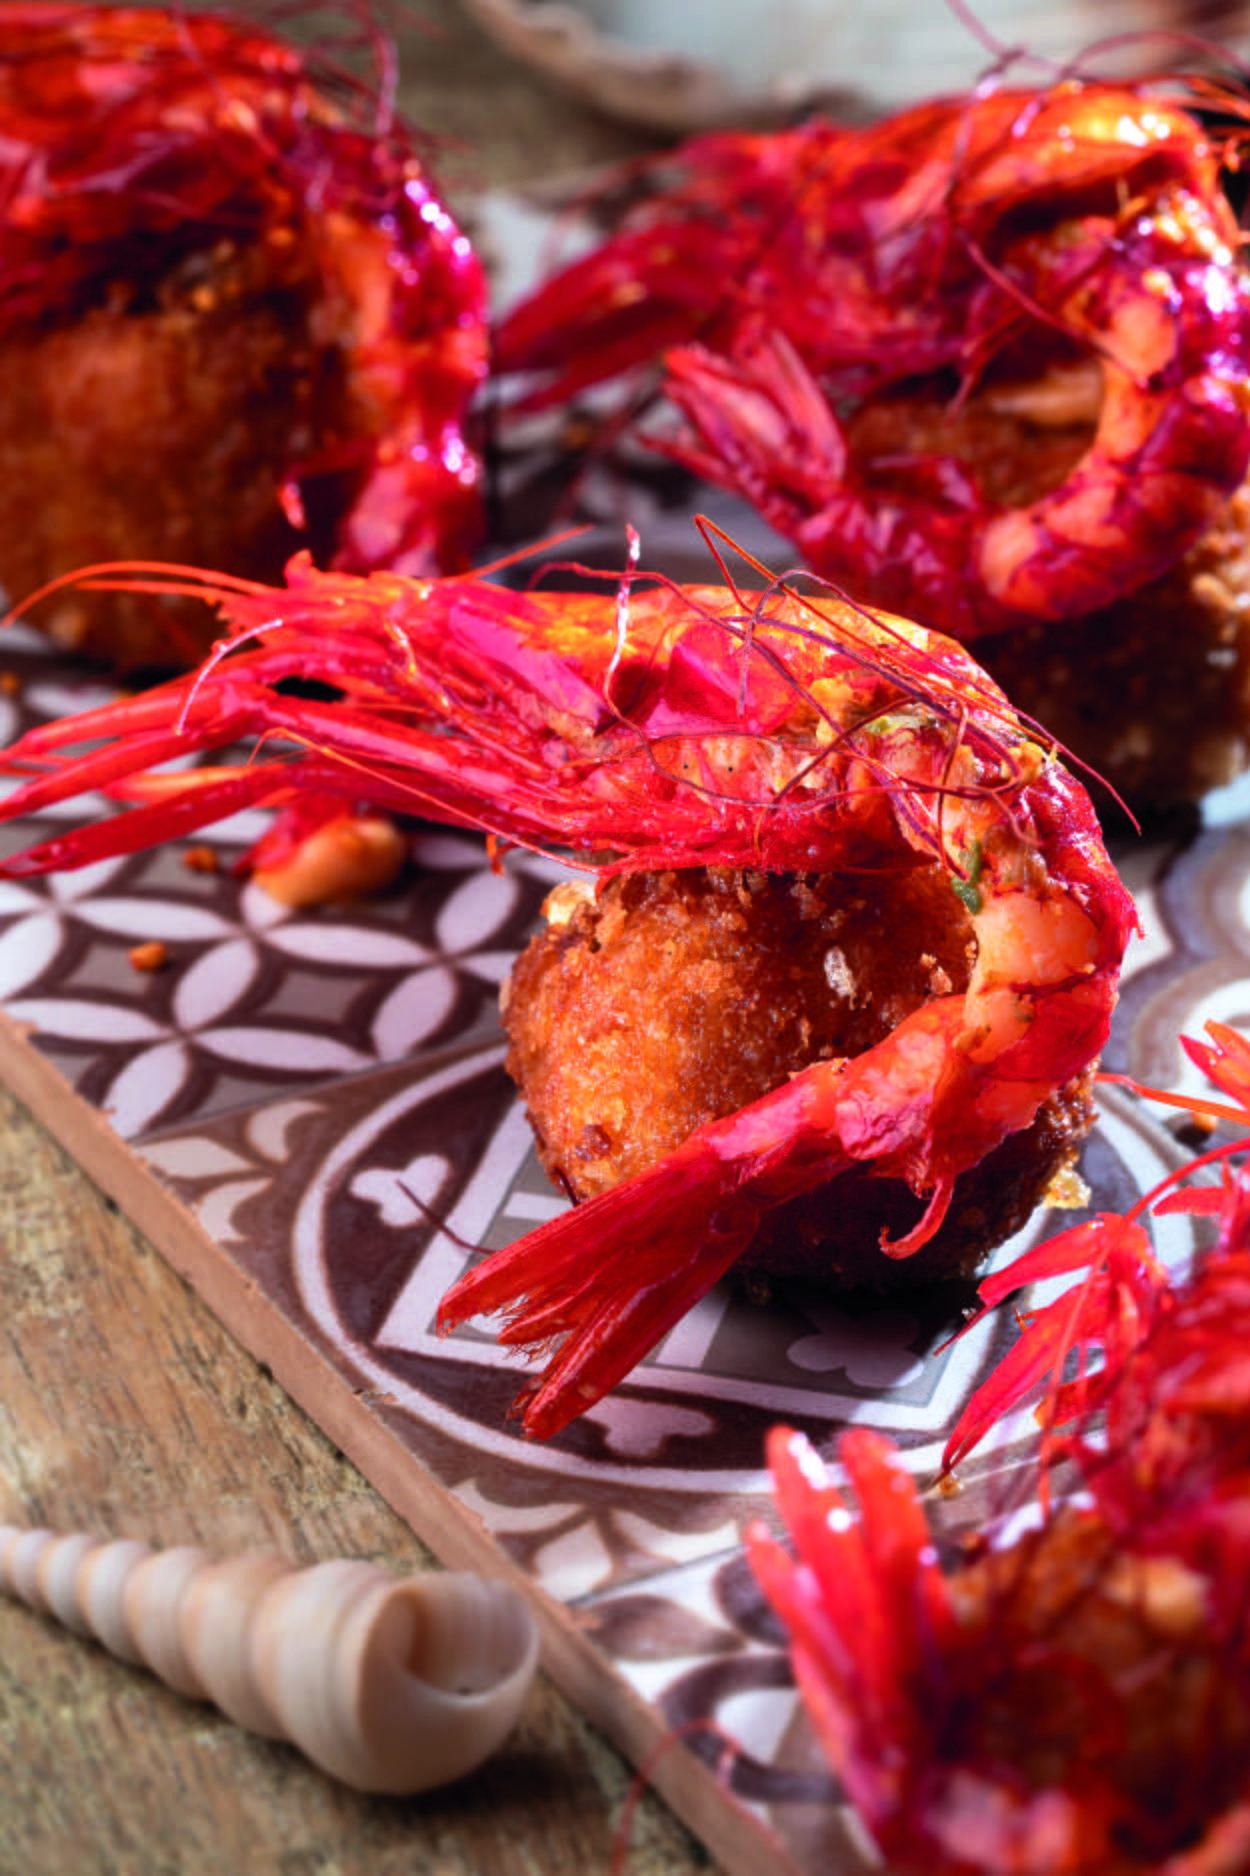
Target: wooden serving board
{"points": [[284, 1107]]}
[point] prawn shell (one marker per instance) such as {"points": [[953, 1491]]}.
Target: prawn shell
{"points": [[1045, 279]]}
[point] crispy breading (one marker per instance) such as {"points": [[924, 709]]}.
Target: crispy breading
{"points": [[1075, 1621], [162, 428], [677, 998]]}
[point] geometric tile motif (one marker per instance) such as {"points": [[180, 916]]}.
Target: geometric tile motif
{"points": [[252, 998], [335, 1198]]}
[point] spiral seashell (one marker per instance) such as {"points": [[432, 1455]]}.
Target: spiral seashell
{"points": [[388, 1684]]}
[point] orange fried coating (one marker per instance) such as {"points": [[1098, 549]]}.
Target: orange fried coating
{"points": [[236, 319], [163, 427], [677, 998]]}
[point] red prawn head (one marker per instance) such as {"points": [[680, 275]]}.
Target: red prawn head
{"points": [[1070, 1702], [1078, 1699], [986, 362], [649, 725], [162, 164]]}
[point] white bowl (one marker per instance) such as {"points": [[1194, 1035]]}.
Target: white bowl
{"points": [[685, 65]]}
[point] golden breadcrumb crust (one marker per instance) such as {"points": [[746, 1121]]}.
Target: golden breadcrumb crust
{"points": [[162, 430], [1093, 1660], [676, 998]]}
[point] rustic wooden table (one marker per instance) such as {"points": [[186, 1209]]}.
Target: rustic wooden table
{"points": [[125, 1409]]}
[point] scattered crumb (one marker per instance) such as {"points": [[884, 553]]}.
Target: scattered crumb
{"points": [[149, 957], [10, 684], [350, 857], [201, 860], [1067, 1191], [579, 433], [564, 901]]}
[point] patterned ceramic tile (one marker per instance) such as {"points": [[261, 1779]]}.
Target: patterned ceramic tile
{"points": [[701, 1645], [325, 1094], [252, 998], [633, 1517]]}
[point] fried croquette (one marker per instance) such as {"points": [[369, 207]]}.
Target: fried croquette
{"points": [[163, 429], [676, 998]]}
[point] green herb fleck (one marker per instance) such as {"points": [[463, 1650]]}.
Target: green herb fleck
{"points": [[968, 890]]}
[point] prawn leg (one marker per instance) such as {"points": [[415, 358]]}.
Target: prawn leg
{"points": [[1122, 1280], [1104, 1312]]}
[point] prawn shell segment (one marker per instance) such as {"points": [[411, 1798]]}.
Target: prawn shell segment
{"points": [[1175, 657], [674, 998], [912, 757], [235, 318]]}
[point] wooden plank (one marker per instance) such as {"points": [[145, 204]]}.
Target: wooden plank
{"points": [[126, 1408]]}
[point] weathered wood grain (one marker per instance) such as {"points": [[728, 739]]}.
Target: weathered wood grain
{"points": [[126, 1409]]}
